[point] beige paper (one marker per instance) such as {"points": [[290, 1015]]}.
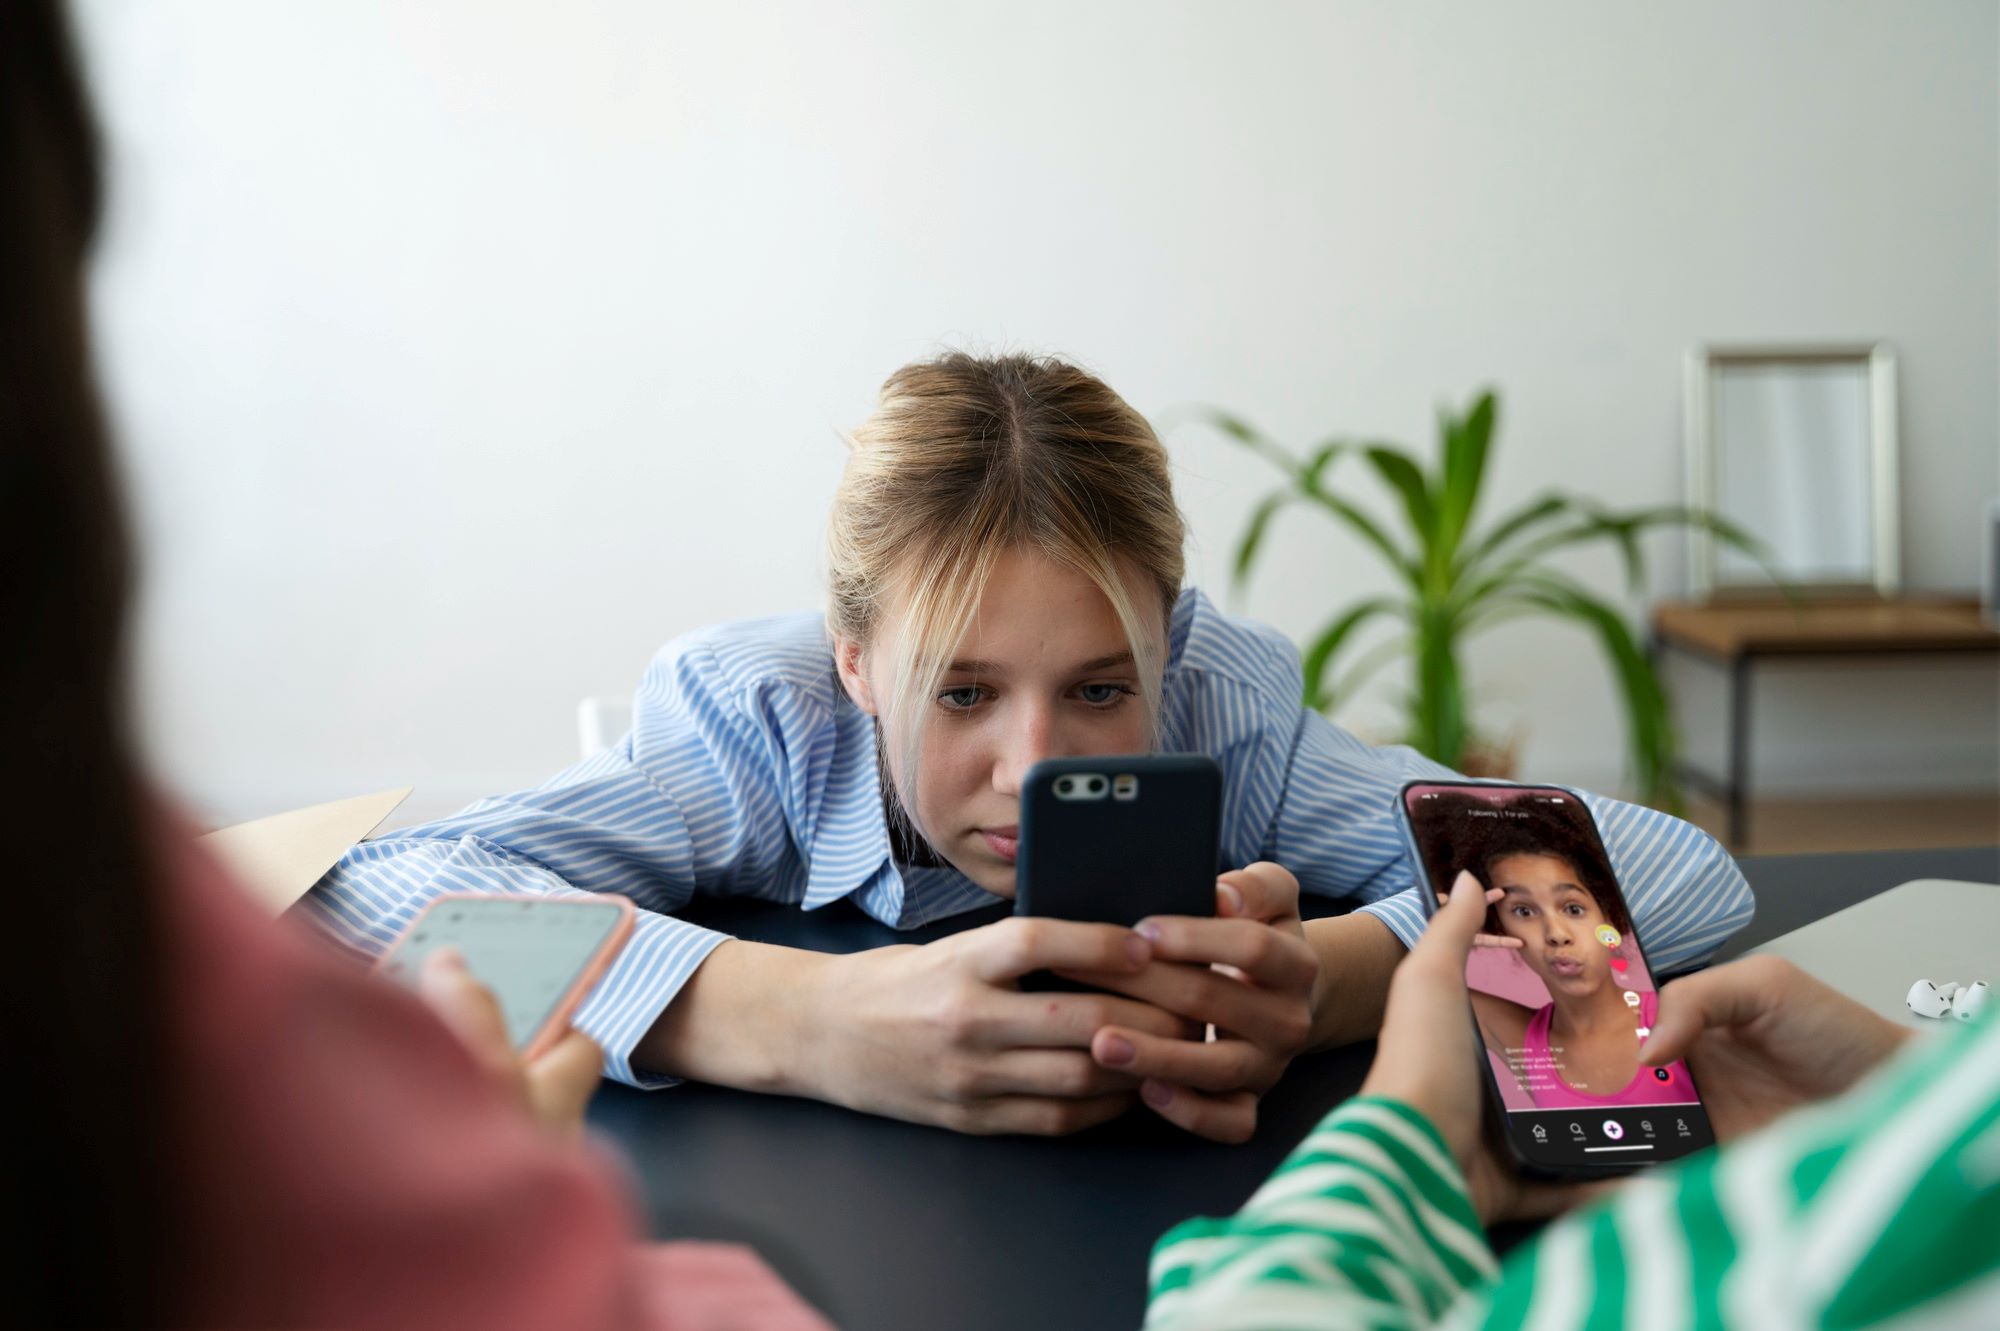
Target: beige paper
{"points": [[279, 858]]}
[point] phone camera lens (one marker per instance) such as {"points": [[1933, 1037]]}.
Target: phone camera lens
{"points": [[1097, 785], [1065, 786]]}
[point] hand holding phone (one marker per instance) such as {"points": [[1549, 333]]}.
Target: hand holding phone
{"points": [[1428, 1057], [1768, 1038], [1561, 996], [539, 956], [553, 1088], [1134, 840]]}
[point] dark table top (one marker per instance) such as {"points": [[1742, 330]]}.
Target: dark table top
{"points": [[888, 1225]]}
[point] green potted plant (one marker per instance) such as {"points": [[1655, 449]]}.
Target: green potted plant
{"points": [[1457, 578]]}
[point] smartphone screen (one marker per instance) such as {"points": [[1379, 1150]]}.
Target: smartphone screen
{"points": [[529, 951], [1561, 992]]}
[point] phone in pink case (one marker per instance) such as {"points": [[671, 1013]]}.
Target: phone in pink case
{"points": [[540, 956]]}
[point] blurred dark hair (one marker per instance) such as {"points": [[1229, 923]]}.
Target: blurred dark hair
{"points": [[89, 1188], [1460, 832]]}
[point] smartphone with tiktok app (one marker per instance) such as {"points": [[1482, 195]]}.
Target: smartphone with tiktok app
{"points": [[1561, 994]]}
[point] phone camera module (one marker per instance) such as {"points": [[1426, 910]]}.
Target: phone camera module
{"points": [[1087, 786]]}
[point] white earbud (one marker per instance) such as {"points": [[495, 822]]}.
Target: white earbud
{"points": [[1948, 989], [1927, 1001], [1972, 1000]]}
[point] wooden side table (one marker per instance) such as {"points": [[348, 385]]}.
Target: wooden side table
{"points": [[1733, 635]]}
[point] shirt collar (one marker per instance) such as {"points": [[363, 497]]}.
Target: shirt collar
{"points": [[850, 838], [850, 854]]}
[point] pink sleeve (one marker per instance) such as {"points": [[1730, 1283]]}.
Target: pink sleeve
{"points": [[720, 1287], [350, 1165]]}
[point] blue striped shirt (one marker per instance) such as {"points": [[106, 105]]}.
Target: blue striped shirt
{"points": [[749, 772]]}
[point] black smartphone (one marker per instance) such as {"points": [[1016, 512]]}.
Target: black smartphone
{"points": [[1113, 840], [1561, 994]]}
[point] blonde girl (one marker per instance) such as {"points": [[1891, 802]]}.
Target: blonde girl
{"points": [[1005, 560]]}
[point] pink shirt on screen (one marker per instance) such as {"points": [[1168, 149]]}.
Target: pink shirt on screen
{"points": [[350, 1165], [1549, 1091]]}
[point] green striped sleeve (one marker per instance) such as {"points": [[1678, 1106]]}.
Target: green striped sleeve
{"points": [[1366, 1224], [1878, 1209]]}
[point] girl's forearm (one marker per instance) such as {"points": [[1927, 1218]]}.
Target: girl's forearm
{"points": [[1357, 955], [740, 1020]]}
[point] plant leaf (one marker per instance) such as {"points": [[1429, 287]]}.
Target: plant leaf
{"points": [[1466, 444], [1363, 670], [1253, 535], [1249, 436], [1322, 457], [1407, 479], [1437, 717], [1327, 644], [1524, 518], [1370, 530], [1649, 724], [1592, 522]]}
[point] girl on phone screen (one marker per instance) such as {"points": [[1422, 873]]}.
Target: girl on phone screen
{"points": [[1005, 584], [1576, 1043]]}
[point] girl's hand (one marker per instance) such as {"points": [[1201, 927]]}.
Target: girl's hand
{"points": [[1484, 939], [1763, 1037], [553, 1089], [1429, 1055], [941, 1033], [1250, 973]]}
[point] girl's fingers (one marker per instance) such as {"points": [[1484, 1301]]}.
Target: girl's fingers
{"points": [[1271, 957], [1275, 1019], [1260, 891], [1013, 947], [1214, 1065], [1692, 1004], [1065, 1020], [1501, 941], [561, 1082], [468, 1008], [1069, 1074], [1230, 1118], [1450, 932]]}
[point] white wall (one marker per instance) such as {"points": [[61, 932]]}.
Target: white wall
{"points": [[466, 351]]}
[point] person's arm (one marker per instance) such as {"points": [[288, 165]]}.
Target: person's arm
{"points": [[689, 801], [1367, 1223], [1870, 1209], [1502, 1021], [1371, 1221], [350, 1160], [1875, 1207]]}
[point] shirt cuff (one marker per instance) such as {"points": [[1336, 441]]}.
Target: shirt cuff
{"points": [[647, 974], [1403, 913]]}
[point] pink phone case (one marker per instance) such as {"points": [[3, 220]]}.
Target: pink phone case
{"points": [[557, 1023]]}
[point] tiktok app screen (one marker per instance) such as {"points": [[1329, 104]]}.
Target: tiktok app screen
{"points": [[1560, 989]]}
